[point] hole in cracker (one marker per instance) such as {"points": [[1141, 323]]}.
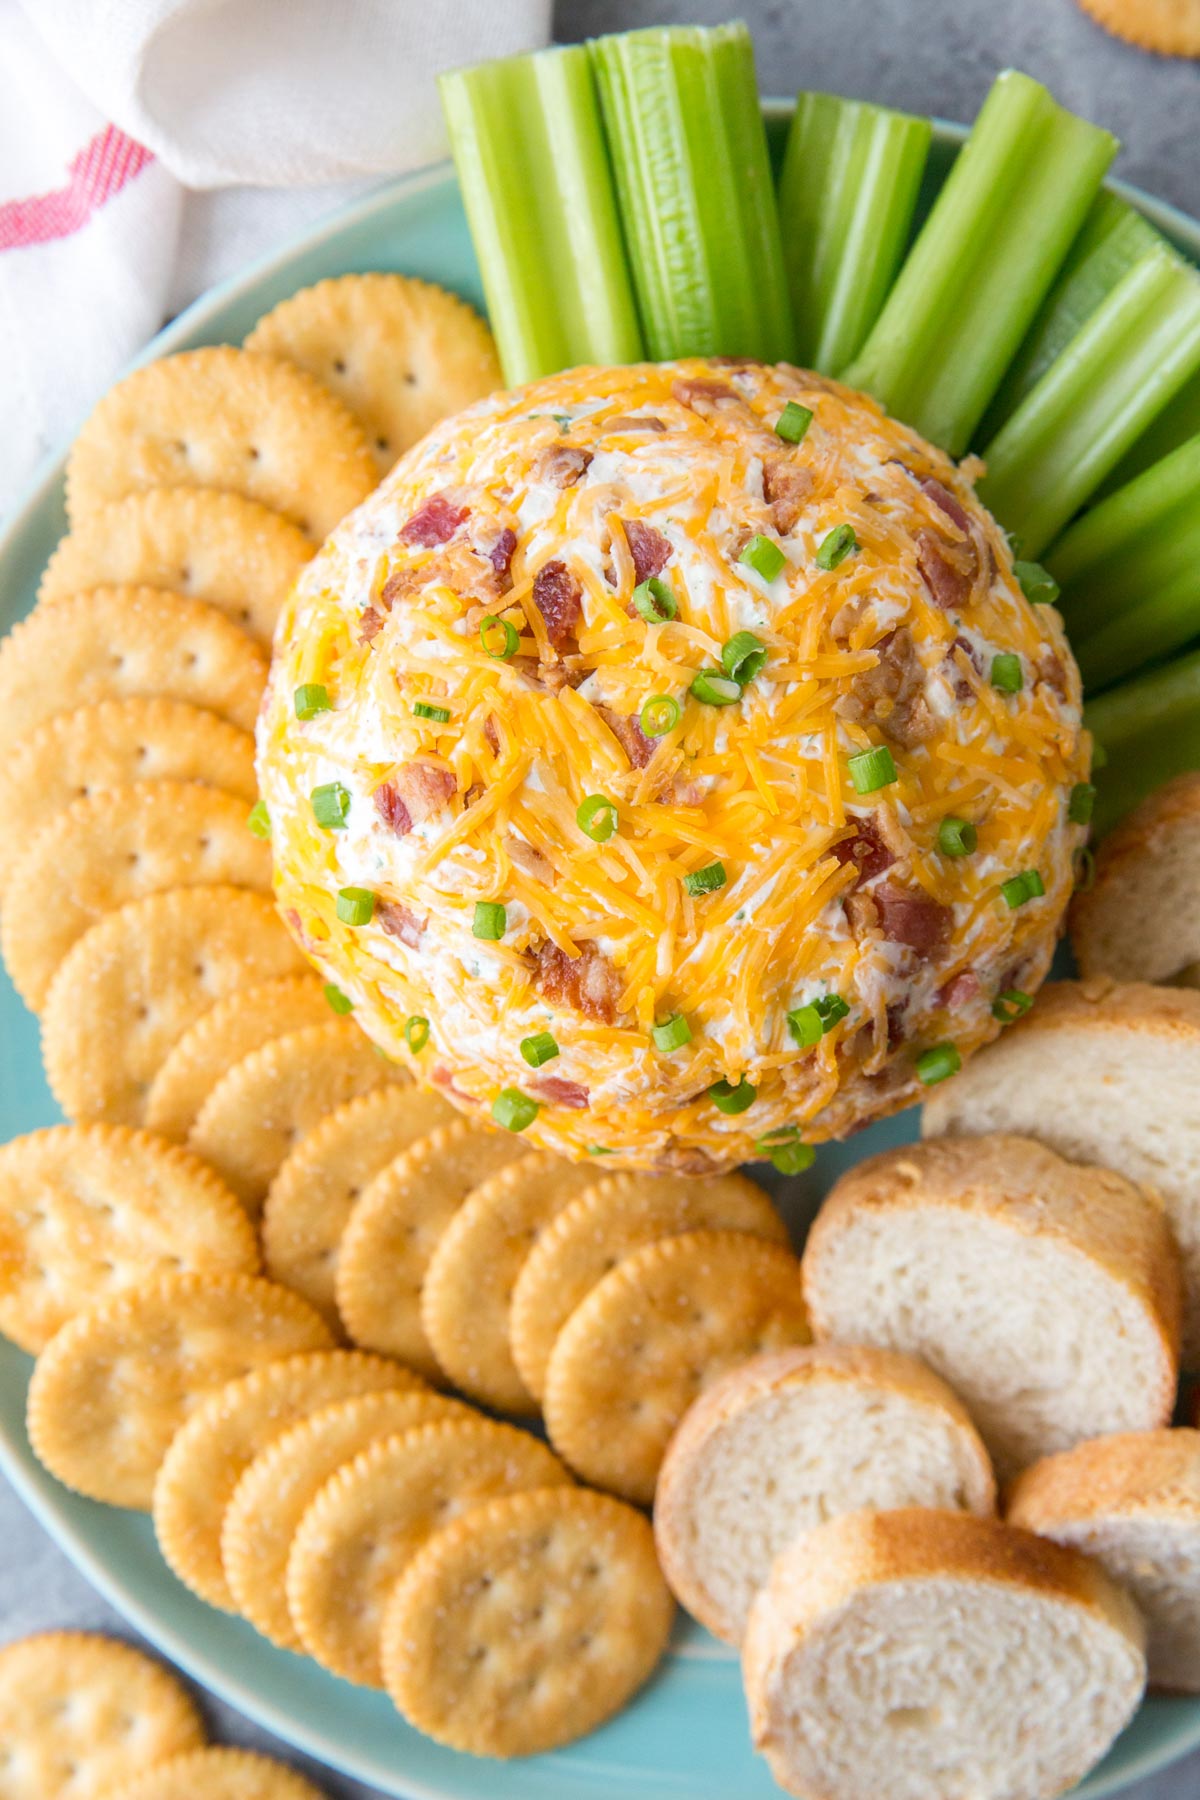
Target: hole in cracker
{"points": [[383, 445], [253, 452], [410, 379], [339, 367]]}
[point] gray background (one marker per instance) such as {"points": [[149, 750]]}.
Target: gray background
{"points": [[926, 55]]}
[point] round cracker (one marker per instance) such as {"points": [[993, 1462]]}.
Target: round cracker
{"points": [[134, 983], [659, 1328], [76, 754], [399, 352], [120, 644], [222, 548], [87, 1211], [526, 1623], [111, 1389], [79, 1712], [375, 1513], [317, 1186], [217, 1773], [268, 1102], [394, 1229], [281, 1483], [468, 1287], [223, 418], [615, 1217], [1169, 27], [209, 1455], [240, 1023], [112, 848]]}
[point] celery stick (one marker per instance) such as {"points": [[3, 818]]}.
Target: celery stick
{"points": [[693, 177], [846, 197], [1176, 423], [529, 147], [1138, 348], [1113, 238], [983, 262], [1150, 729]]}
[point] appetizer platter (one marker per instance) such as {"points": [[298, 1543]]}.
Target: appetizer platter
{"points": [[551, 717]]}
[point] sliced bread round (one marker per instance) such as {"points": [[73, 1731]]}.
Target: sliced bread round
{"points": [[928, 1655], [1132, 1502], [1046, 1293], [1103, 1074], [1140, 919], [790, 1439]]}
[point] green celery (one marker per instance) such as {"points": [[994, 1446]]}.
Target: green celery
{"points": [[847, 194], [983, 262], [1150, 729], [1176, 423], [1138, 348], [1113, 238], [1130, 571], [693, 179], [529, 147]]}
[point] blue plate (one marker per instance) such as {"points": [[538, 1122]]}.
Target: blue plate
{"points": [[685, 1737]]}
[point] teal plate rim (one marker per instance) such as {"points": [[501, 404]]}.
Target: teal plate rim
{"points": [[696, 1700]]}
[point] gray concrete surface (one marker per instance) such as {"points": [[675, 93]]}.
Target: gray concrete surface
{"points": [[928, 55]]}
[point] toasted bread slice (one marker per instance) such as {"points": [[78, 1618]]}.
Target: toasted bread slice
{"points": [[1140, 919]]}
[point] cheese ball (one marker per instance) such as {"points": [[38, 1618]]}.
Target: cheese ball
{"points": [[666, 762]]}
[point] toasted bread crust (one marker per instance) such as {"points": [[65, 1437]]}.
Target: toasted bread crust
{"points": [[1150, 1474], [1110, 932]]}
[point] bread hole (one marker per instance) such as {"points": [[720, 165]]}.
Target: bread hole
{"points": [[913, 1718]]}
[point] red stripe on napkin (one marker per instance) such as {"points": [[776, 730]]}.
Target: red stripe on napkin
{"points": [[100, 170]]}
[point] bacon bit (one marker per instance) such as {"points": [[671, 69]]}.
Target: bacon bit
{"points": [[400, 585], [962, 687], [948, 570], [501, 554], [704, 397], [399, 922], [960, 990], [786, 489], [895, 1023], [559, 598], [736, 362], [892, 694], [548, 678], [849, 615], [531, 861], [634, 422], [650, 550], [297, 924], [491, 735], [629, 734], [444, 1078], [867, 850], [370, 625], [862, 914], [946, 502], [562, 465], [912, 918], [556, 1090], [1050, 671], [434, 523], [587, 982], [414, 792]]}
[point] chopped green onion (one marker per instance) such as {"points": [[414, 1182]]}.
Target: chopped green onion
{"points": [[659, 715], [355, 905], [840, 543], [672, 1033], [792, 1159], [793, 422], [937, 1063], [1138, 349], [983, 262], [509, 638], [655, 601], [1007, 673], [331, 806], [337, 1001], [1020, 888], [534, 172], [538, 1049], [1037, 584], [1084, 864], [600, 1150], [872, 769], [597, 818], [763, 555], [1011, 1005], [311, 699], [729, 1099], [743, 657], [832, 1009], [715, 689], [849, 186], [808, 1024], [1082, 803], [423, 710], [416, 1032], [706, 880], [957, 837], [693, 177], [514, 1110], [490, 921], [258, 820], [1150, 728]]}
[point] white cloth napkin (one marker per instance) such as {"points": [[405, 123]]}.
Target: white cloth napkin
{"points": [[117, 114]]}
